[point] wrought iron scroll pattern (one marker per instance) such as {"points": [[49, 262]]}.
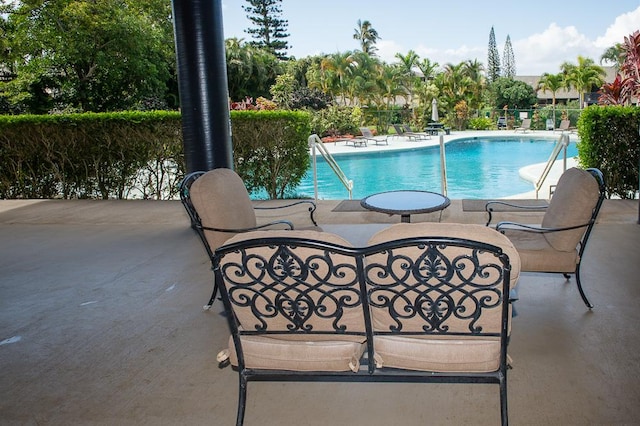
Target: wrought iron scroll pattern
{"points": [[290, 292], [442, 290]]}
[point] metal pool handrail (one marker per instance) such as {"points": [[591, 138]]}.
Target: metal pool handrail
{"points": [[561, 145], [315, 142]]}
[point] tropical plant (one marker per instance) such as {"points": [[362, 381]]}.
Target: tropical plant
{"points": [[615, 93], [631, 65]]}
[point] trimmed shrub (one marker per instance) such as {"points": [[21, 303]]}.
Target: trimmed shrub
{"points": [[270, 149], [609, 140]]}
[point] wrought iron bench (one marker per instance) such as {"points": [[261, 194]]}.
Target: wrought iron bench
{"points": [[423, 302]]}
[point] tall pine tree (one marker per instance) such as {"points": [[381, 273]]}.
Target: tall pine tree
{"points": [[493, 60], [270, 30], [508, 60]]}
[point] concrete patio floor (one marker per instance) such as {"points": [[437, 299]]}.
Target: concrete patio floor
{"points": [[101, 323]]}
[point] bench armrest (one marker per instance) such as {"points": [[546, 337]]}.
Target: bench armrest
{"points": [[311, 207]]}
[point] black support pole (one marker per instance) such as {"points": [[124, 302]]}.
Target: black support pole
{"points": [[202, 77]]}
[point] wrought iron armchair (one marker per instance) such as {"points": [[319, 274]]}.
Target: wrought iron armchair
{"points": [[557, 245], [219, 207], [424, 302]]}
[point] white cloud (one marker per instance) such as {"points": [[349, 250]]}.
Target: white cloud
{"points": [[546, 51], [624, 25], [387, 50], [539, 53]]}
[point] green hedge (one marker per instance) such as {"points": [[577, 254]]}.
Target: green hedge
{"points": [[609, 140], [111, 155], [270, 149], [140, 154]]}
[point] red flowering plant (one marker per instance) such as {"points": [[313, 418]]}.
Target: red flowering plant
{"points": [[616, 93], [248, 104], [626, 86]]}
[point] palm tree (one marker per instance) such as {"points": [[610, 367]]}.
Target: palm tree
{"points": [[473, 69], [362, 86], [336, 69], [367, 37], [615, 55], [583, 76], [551, 83], [407, 64]]}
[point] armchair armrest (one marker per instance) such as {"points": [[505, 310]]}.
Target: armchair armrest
{"points": [[489, 208], [312, 208], [286, 223], [503, 226]]}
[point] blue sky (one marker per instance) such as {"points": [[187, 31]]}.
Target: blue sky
{"points": [[543, 33]]}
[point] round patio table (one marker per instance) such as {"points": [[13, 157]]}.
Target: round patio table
{"points": [[405, 203]]}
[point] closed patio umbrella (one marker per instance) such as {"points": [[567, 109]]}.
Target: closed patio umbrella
{"points": [[434, 111]]}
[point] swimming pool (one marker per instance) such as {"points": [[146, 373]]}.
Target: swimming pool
{"points": [[477, 168]]}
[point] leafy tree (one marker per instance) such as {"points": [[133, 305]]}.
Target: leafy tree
{"points": [[251, 70], [98, 55], [270, 29], [367, 36], [551, 83], [493, 59], [508, 60], [513, 93], [583, 77]]}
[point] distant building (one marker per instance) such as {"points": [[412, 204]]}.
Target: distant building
{"points": [[545, 97]]}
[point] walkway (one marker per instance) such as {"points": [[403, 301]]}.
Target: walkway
{"points": [[101, 324]]}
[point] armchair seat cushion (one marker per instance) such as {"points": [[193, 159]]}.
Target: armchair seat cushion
{"points": [[537, 254], [438, 354], [297, 355]]}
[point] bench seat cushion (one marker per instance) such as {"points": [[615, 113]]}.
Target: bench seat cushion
{"points": [[319, 355], [438, 354]]}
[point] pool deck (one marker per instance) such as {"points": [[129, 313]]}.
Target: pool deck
{"points": [[530, 173], [101, 324]]}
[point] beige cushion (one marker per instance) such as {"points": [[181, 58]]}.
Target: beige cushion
{"points": [[300, 352], [454, 230], [222, 201], [433, 352], [573, 201], [438, 354], [537, 255], [314, 354]]}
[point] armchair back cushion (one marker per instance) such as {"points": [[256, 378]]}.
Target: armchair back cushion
{"points": [[572, 204], [222, 201]]}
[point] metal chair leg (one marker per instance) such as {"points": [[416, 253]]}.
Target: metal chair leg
{"points": [[213, 296], [582, 293], [242, 399], [504, 412]]}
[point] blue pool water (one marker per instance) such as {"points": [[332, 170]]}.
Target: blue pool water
{"points": [[476, 168]]}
